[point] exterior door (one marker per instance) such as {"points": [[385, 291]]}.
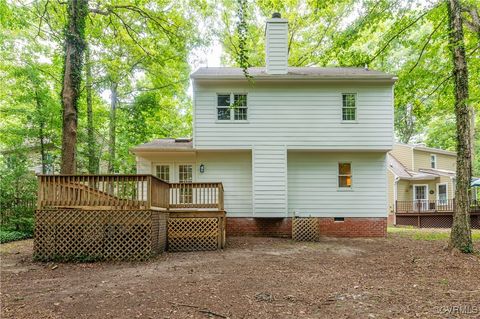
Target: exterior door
{"points": [[420, 197], [185, 175]]}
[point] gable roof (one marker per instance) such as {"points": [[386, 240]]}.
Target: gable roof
{"points": [[397, 168], [422, 147], [165, 144], [294, 73]]}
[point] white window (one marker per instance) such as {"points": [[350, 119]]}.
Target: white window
{"points": [[442, 194], [349, 107], [185, 173], [163, 172], [344, 175], [232, 107], [433, 161]]}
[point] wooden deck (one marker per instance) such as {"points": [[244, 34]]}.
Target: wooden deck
{"points": [[139, 191], [195, 211], [432, 213]]}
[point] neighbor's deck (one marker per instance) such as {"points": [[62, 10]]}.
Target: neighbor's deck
{"points": [[432, 213]]}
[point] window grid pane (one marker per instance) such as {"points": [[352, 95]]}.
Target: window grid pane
{"points": [[223, 113], [223, 100], [240, 114], [163, 172], [349, 107], [240, 100], [344, 175]]}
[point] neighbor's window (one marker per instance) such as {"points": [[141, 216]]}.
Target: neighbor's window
{"points": [[344, 175], [232, 107], [433, 161], [349, 106], [163, 172]]}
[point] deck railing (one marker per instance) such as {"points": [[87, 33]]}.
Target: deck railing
{"points": [[196, 195], [126, 192], [431, 206]]}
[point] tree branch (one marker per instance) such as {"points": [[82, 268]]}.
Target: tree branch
{"points": [[397, 34], [426, 44]]}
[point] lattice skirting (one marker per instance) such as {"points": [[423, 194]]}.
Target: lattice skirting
{"points": [[74, 234], [195, 233], [433, 221], [305, 229]]}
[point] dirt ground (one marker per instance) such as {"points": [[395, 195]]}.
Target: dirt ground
{"points": [[396, 277]]}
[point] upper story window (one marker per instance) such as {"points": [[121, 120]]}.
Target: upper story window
{"points": [[232, 107], [433, 161], [349, 107], [344, 175]]}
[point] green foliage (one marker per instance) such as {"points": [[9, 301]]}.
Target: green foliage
{"points": [[18, 187], [406, 38], [12, 235]]}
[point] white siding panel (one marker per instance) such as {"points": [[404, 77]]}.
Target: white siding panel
{"points": [[234, 170], [269, 180], [144, 166], [313, 185], [299, 115]]}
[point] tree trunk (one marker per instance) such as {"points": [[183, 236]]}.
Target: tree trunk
{"points": [[72, 77], [461, 237], [91, 147], [41, 132], [112, 138]]}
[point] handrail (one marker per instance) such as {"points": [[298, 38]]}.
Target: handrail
{"points": [[430, 206], [196, 195], [126, 191]]}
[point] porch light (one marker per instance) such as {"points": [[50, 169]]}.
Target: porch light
{"points": [[202, 168]]}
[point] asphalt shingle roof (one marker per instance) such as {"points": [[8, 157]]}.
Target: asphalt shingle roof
{"points": [[293, 73]]}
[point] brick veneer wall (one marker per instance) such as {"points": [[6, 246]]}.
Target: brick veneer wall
{"points": [[282, 227], [271, 227], [354, 227]]}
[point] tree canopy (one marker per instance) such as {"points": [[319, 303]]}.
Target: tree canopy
{"points": [[145, 50]]}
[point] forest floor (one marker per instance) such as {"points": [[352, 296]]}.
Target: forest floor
{"points": [[403, 276]]}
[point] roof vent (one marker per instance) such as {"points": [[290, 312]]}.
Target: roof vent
{"points": [[276, 15]]}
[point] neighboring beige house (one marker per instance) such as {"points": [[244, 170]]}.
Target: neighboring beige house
{"points": [[420, 175]]}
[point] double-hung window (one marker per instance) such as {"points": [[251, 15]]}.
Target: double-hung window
{"points": [[232, 107], [345, 175], [433, 161], [349, 107]]}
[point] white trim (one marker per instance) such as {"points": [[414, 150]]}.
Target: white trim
{"points": [[177, 170], [434, 156], [414, 192], [232, 110], [253, 180], [171, 170], [339, 188], [356, 108]]}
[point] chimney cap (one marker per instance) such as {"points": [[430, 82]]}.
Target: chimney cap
{"points": [[276, 15]]}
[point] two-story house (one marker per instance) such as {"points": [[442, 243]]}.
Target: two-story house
{"points": [[305, 141], [420, 179]]}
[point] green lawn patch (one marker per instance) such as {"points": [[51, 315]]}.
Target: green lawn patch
{"points": [[427, 233]]}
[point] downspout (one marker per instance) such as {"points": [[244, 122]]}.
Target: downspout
{"points": [[395, 198]]}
